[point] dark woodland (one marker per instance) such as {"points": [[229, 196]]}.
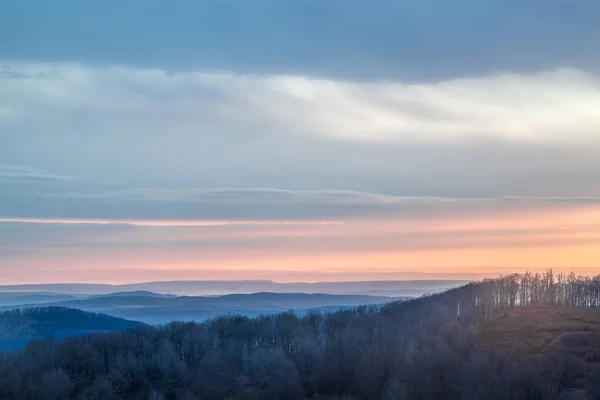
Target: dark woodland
{"points": [[425, 348]]}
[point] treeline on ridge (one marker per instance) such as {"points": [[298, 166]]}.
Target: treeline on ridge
{"points": [[421, 349]]}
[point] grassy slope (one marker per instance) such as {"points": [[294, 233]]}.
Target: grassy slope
{"points": [[535, 331], [541, 330]]}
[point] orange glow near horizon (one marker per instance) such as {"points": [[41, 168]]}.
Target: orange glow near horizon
{"points": [[464, 246]]}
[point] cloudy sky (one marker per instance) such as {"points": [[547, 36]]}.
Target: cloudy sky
{"points": [[297, 140]]}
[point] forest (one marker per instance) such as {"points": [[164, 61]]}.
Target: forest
{"points": [[425, 348]]}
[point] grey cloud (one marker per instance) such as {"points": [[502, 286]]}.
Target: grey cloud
{"points": [[52, 239], [259, 203], [25, 174], [283, 196], [255, 195], [553, 105], [378, 39], [553, 199], [228, 203], [15, 236], [486, 137], [262, 110]]}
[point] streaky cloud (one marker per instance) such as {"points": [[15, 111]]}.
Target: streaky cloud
{"points": [[26, 174]]}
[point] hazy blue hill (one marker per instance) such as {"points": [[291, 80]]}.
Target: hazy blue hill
{"points": [[400, 292], [203, 288], [19, 298], [296, 300], [219, 288], [18, 327], [39, 298], [154, 310], [135, 293], [66, 288]]}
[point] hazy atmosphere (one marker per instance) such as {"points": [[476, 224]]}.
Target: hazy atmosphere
{"points": [[300, 199], [298, 141]]}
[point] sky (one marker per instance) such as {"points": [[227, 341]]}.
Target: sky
{"points": [[298, 140]]}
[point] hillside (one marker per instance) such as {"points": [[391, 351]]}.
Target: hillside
{"points": [[542, 330], [18, 327], [435, 347], [546, 331]]}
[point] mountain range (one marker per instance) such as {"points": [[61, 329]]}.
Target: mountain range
{"points": [[153, 308], [216, 288]]}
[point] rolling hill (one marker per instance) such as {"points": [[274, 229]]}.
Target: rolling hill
{"points": [[18, 298], [219, 288], [135, 293], [157, 309], [522, 336], [18, 327]]}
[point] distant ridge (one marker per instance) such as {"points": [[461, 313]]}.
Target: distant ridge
{"points": [[135, 293], [216, 287], [157, 309]]}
